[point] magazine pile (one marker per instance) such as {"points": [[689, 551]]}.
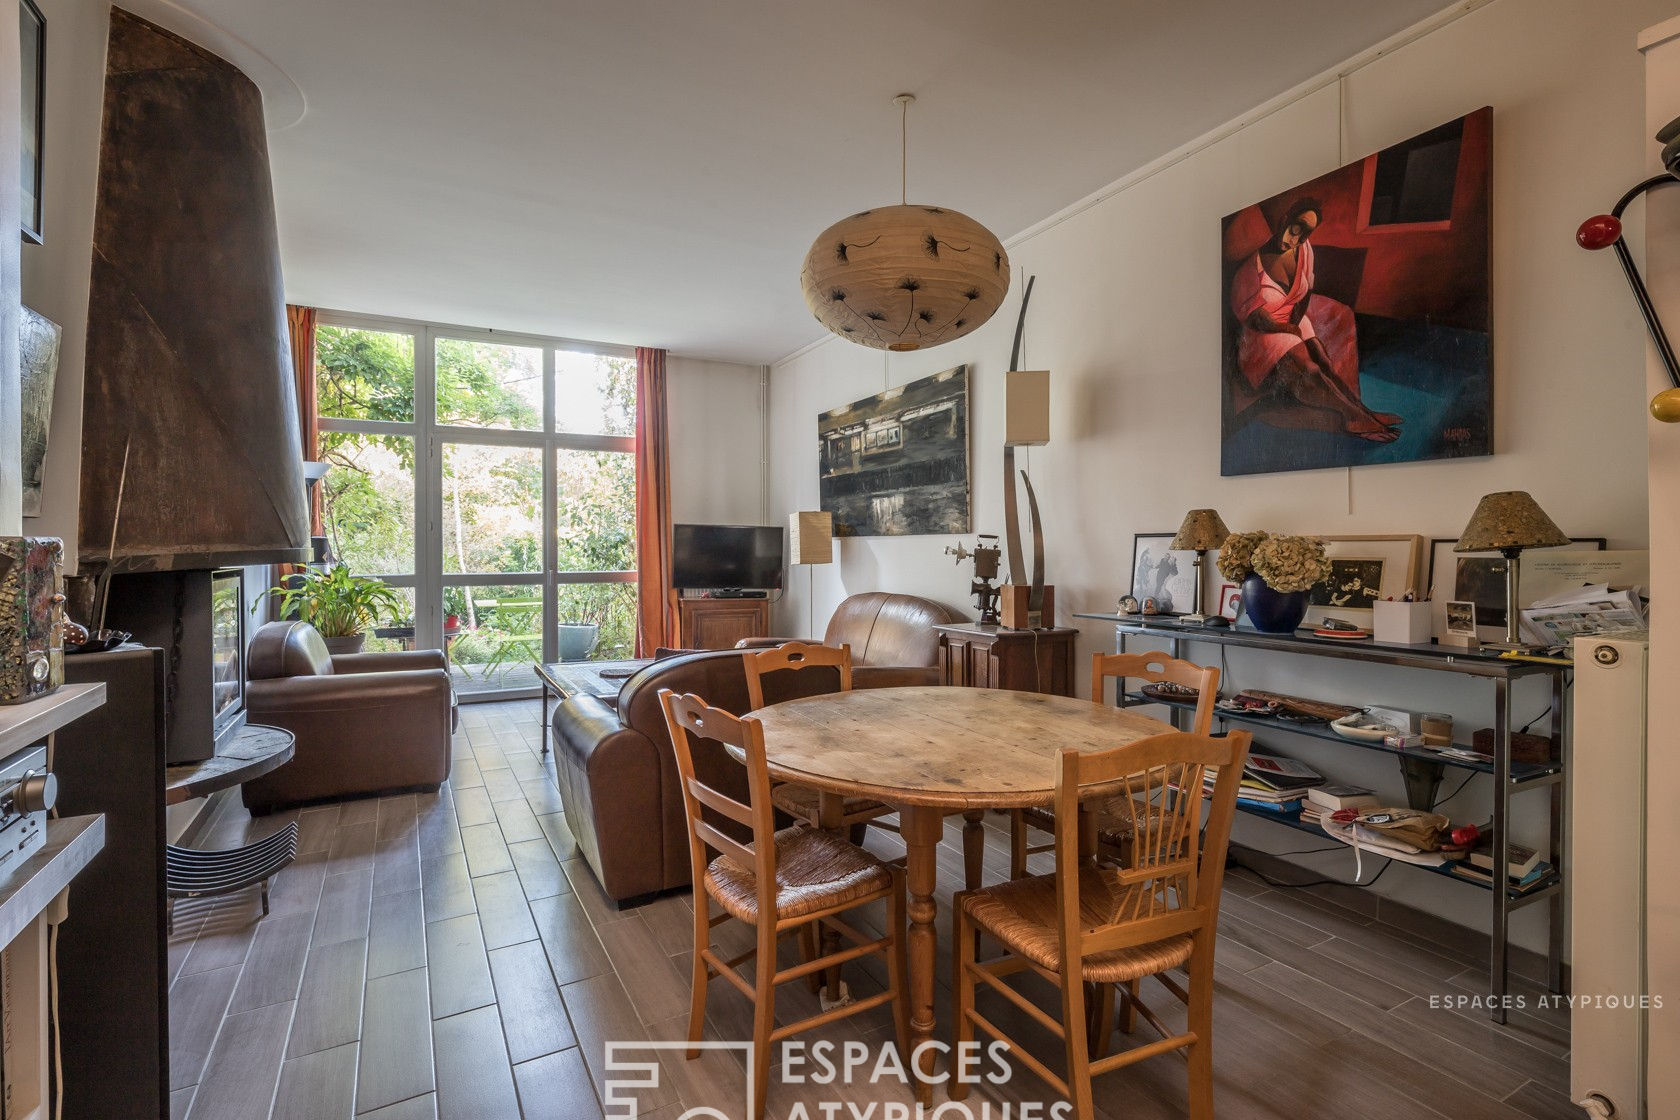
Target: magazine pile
{"points": [[1596, 609]]}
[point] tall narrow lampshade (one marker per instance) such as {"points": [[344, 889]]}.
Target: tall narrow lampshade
{"points": [[1026, 407], [811, 537], [1507, 523], [1202, 529]]}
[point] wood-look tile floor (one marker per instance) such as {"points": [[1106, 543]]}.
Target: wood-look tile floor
{"points": [[450, 956]]}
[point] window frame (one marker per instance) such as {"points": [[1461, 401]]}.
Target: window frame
{"points": [[430, 437]]}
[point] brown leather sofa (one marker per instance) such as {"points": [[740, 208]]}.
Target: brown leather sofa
{"points": [[366, 723], [892, 638], [617, 771]]}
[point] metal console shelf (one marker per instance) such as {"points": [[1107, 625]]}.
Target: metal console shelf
{"points": [[1509, 777]]}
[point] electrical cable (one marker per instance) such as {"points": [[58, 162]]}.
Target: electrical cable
{"points": [[1440, 801], [1269, 881]]}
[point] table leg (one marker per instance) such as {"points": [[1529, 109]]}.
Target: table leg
{"points": [[831, 813], [922, 828], [974, 848]]}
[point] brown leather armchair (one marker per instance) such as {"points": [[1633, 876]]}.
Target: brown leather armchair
{"points": [[617, 770], [893, 640], [366, 723]]}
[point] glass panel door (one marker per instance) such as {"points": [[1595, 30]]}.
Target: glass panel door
{"points": [[492, 570], [490, 479]]}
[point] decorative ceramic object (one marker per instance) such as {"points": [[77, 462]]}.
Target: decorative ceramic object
{"points": [[1273, 612]]}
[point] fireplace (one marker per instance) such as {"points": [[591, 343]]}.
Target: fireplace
{"points": [[198, 619]]}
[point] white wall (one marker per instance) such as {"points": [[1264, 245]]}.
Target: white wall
{"points": [[56, 273], [1125, 316], [1662, 273], [717, 441]]}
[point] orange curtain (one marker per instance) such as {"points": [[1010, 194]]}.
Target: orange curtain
{"points": [[300, 322], [655, 624]]}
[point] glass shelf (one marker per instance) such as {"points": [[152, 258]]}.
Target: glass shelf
{"points": [[1293, 820], [1522, 773]]}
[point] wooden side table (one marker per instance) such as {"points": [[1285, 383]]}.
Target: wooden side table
{"points": [[977, 655], [720, 623]]}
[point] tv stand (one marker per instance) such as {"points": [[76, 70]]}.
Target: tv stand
{"points": [[721, 622]]}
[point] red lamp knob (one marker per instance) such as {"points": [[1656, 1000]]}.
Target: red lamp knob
{"points": [[1599, 232]]}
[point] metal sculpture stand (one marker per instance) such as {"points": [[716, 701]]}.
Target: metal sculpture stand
{"points": [[1011, 506]]}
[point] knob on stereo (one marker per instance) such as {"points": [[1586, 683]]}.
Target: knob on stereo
{"points": [[35, 792]]}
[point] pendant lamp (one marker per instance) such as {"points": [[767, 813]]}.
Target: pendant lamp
{"points": [[905, 277]]}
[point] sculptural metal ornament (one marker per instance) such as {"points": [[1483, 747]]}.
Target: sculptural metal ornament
{"points": [[1011, 506]]}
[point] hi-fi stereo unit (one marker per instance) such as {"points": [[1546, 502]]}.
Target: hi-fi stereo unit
{"points": [[28, 792]]}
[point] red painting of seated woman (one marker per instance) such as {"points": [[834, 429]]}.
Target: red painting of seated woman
{"points": [[1298, 354]]}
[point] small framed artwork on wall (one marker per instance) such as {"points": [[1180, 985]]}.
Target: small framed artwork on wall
{"points": [[1364, 569], [1230, 601], [1161, 574]]}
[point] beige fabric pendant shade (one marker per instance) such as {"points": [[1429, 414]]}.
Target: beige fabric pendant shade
{"points": [[905, 277]]}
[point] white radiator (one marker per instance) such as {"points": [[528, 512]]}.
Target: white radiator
{"points": [[1606, 873]]}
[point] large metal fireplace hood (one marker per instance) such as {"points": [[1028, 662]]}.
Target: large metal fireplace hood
{"points": [[191, 456]]}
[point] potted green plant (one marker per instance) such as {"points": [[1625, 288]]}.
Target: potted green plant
{"points": [[340, 605], [1276, 572]]}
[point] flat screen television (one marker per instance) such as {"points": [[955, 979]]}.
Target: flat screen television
{"points": [[726, 556]]}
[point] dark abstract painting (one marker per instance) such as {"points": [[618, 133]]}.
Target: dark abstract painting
{"points": [[1355, 311], [896, 464]]}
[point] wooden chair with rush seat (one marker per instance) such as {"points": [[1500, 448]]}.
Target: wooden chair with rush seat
{"points": [[802, 802], [1113, 822], [1090, 925], [782, 883]]}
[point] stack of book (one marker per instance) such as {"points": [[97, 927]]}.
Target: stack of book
{"points": [[1526, 868], [1275, 784], [1323, 800]]}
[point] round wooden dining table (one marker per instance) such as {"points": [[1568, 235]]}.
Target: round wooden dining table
{"points": [[932, 752]]}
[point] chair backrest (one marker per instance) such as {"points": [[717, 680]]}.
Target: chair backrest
{"points": [[795, 657], [688, 717], [1158, 667], [1172, 886], [287, 649], [888, 629]]}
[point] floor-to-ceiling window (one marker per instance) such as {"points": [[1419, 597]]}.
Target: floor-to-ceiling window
{"points": [[491, 479]]}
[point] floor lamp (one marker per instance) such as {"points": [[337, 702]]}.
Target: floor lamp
{"points": [[811, 542]]}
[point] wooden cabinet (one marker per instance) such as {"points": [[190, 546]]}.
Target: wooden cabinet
{"points": [[720, 623], [988, 656]]}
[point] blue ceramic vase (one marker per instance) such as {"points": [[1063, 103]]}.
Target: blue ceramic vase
{"points": [[1274, 612]]}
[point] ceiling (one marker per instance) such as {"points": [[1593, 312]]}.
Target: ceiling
{"points": [[651, 172]]}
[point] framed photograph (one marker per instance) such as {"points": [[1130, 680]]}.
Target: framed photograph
{"points": [[1162, 574], [33, 56], [1364, 569], [1479, 577], [1230, 601], [1461, 618]]}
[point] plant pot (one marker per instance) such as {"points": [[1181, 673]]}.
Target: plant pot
{"points": [[577, 640], [1269, 611], [352, 643]]}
